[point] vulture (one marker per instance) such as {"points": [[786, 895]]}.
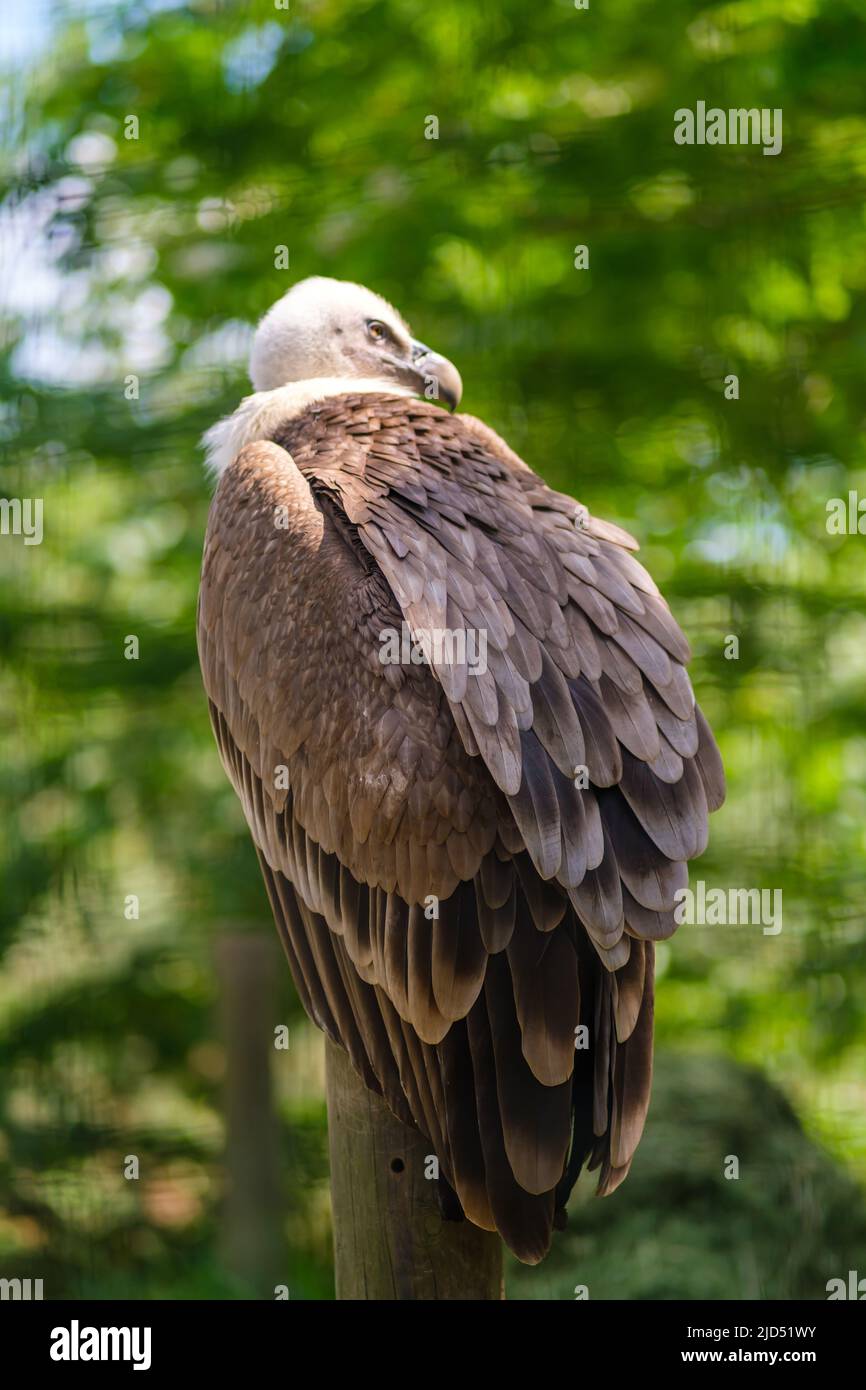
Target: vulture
{"points": [[471, 853]]}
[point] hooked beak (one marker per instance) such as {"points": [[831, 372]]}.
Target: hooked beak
{"points": [[438, 378]]}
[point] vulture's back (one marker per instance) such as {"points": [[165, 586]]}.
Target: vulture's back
{"points": [[469, 856]]}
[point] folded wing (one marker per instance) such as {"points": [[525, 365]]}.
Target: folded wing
{"points": [[469, 857]]}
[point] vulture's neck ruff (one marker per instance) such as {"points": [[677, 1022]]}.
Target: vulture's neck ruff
{"points": [[258, 416]]}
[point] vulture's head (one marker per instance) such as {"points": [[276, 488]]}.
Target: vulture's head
{"points": [[333, 328]]}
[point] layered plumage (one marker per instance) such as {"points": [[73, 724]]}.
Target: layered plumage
{"points": [[468, 867]]}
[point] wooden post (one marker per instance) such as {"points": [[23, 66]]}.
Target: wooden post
{"points": [[390, 1241], [251, 1238]]}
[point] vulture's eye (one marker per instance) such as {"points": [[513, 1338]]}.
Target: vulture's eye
{"points": [[377, 331]]}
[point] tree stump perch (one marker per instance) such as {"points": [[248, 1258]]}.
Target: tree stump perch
{"points": [[390, 1239]]}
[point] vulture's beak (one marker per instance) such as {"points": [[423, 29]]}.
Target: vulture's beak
{"points": [[428, 367]]}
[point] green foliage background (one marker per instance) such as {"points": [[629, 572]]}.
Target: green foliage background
{"points": [[305, 127]]}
